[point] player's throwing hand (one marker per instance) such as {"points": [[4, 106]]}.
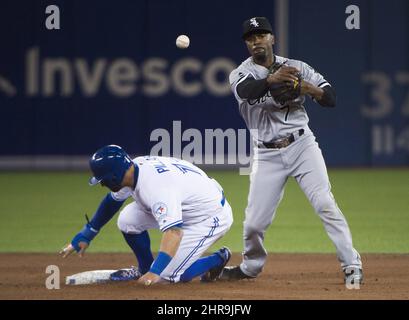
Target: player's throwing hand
{"points": [[283, 74]]}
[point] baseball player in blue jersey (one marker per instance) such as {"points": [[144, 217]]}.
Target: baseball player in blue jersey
{"points": [[171, 195], [270, 91]]}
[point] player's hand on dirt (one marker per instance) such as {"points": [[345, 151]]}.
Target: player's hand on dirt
{"points": [[68, 249], [81, 241], [148, 279], [283, 74]]}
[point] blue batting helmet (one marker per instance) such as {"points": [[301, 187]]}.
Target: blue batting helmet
{"points": [[109, 165]]}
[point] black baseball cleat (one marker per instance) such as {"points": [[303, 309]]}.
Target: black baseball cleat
{"points": [[233, 274], [215, 272]]}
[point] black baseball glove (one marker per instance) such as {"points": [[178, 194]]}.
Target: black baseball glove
{"points": [[285, 91]]}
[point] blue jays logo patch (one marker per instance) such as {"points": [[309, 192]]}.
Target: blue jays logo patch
{"points": [[159, 210]]}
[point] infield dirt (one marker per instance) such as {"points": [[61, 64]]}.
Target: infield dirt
{"points": [[286, 276]]}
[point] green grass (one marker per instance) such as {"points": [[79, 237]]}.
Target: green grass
{"points": [[40, 212]]}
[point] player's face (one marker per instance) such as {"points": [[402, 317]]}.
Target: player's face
{"points": [[127, 180], [260, 46], [111, 186]]}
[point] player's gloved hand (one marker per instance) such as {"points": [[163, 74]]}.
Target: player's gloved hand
{"points": [[81, 241], [285, 83]]}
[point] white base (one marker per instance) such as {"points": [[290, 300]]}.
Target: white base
{"points": [[89, 277]]}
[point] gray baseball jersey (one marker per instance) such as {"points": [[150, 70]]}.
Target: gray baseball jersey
{"points": [[273, 120]]}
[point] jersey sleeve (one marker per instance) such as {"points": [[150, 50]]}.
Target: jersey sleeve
{"points": [[236, 77], [122, 194], [312, 76], [166, 207]]}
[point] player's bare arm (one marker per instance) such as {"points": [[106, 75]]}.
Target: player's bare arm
{"points": [[171, 240], [169, 245], [324, 96]]}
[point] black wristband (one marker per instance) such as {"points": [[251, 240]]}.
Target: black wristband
{"points": [[328, 98]]}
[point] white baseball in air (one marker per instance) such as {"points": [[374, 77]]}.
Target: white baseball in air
{"points": [[182, 42]]}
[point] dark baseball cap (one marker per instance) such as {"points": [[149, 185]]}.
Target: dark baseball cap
{"points": [[256, 25]]}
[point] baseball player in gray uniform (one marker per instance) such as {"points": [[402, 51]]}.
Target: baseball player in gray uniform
{"points": [[270, 91]]}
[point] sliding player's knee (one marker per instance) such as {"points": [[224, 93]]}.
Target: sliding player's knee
{"points": [[126, 224]]}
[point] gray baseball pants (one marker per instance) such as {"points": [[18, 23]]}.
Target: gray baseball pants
{"points": [[302, 160]]}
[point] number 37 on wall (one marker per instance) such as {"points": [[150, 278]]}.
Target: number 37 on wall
{"points": [[380, 93]]}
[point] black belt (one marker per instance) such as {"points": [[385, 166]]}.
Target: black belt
{"points": [[281, 143]]}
